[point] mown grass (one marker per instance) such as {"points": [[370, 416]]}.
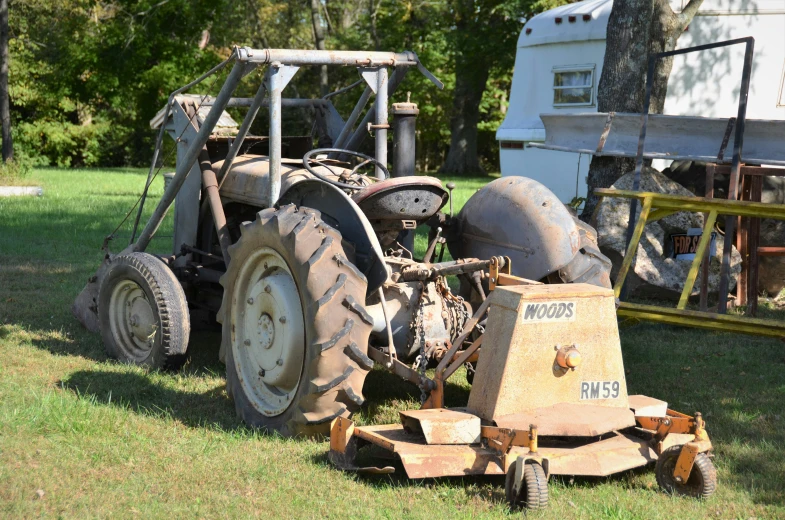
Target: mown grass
{"points": [[82, 436]]}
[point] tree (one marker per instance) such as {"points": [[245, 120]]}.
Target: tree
{"points": [[318, 36], [484, 39], [5, 110], [637, 29]]}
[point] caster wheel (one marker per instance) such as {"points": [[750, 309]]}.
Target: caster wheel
{"points": [[702, 481], [531, 493]]}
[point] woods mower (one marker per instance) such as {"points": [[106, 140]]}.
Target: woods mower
{"points": [[549, 398], [304, 254]]}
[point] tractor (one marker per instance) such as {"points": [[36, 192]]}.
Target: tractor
{"points": [[301, 247]]}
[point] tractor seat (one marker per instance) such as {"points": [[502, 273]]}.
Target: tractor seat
{"points": [[402, 198]]}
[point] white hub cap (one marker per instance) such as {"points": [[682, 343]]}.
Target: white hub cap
{"points": [[132, 320], [268, 342]]}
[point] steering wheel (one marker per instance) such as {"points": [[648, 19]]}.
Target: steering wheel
{"points": [[308, 161]]}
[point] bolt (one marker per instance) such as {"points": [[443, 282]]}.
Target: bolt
{"points": [[261, 373], [247, 343], [250, 301], [282, 319], [267, 288], [279, 362]]}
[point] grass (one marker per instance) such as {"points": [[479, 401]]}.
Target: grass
{"points": [[82, 436]]}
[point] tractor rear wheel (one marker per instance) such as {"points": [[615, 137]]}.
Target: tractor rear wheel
{"points": [[295, 332], [143, 313]]}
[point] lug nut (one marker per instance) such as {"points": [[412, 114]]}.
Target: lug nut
{"points": [[279, 362], [282, 319], [250, 301], [247, 343], [261, 373]]}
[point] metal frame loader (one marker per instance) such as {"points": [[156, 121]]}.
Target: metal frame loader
{"points": [[304, 254]]}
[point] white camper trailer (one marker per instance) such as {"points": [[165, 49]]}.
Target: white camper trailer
{"points": [[559, 60]]}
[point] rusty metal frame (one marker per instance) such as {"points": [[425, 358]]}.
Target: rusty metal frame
{"points": [[658, 205], [730, 222], [678, 423], [503, 439]]}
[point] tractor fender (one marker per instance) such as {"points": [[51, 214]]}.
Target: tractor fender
{"points": [[342, 213], [519, 218]]}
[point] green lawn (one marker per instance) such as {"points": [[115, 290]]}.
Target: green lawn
{"points": [[82, 436]]}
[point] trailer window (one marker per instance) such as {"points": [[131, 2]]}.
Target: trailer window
{"points": [[573, 86]]}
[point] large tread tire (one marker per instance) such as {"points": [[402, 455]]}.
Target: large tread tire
{"points": [[337, 327], [144, 273]]}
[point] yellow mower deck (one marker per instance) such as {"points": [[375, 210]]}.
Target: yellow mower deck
{"points": [[611, 453], [549, 392]]}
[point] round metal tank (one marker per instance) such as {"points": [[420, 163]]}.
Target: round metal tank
{"points": [[519, 218]]}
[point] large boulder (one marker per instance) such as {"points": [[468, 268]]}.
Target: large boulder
{"points": [[656, 274]]}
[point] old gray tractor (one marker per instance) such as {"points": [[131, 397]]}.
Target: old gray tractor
{"points": [[305, 255]]}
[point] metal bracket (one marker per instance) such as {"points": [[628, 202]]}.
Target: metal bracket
{"points": [[371, 77], [283, 75]]}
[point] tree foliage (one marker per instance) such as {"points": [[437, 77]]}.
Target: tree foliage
{"points": [[86, 76]]}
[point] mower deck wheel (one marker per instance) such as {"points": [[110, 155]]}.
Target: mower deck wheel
{"points": [[532, 491], [702, 481]]}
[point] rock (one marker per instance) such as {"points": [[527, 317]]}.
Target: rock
{"points": [[21, 191], [655, 274]]}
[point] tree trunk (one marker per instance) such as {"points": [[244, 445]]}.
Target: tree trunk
{"points": [[470, 79], [5, 110], [637, 29], [318, 36]]}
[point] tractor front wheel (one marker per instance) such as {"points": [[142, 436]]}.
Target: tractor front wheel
{"points": [[295, 332], [143, 313]]}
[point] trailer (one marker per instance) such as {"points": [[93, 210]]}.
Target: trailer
{"points": [[560, 57]]}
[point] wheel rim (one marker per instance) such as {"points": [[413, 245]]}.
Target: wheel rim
{"points": [[268, 343], [132, 320]]}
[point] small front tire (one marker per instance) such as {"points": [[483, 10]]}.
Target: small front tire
{"points": [[143, 313], [532, 491], [701, 483]]}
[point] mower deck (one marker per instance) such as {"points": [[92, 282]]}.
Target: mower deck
{"points": [[427, 451]]}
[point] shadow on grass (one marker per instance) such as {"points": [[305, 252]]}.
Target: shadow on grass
{"points": [[140, 393]]}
